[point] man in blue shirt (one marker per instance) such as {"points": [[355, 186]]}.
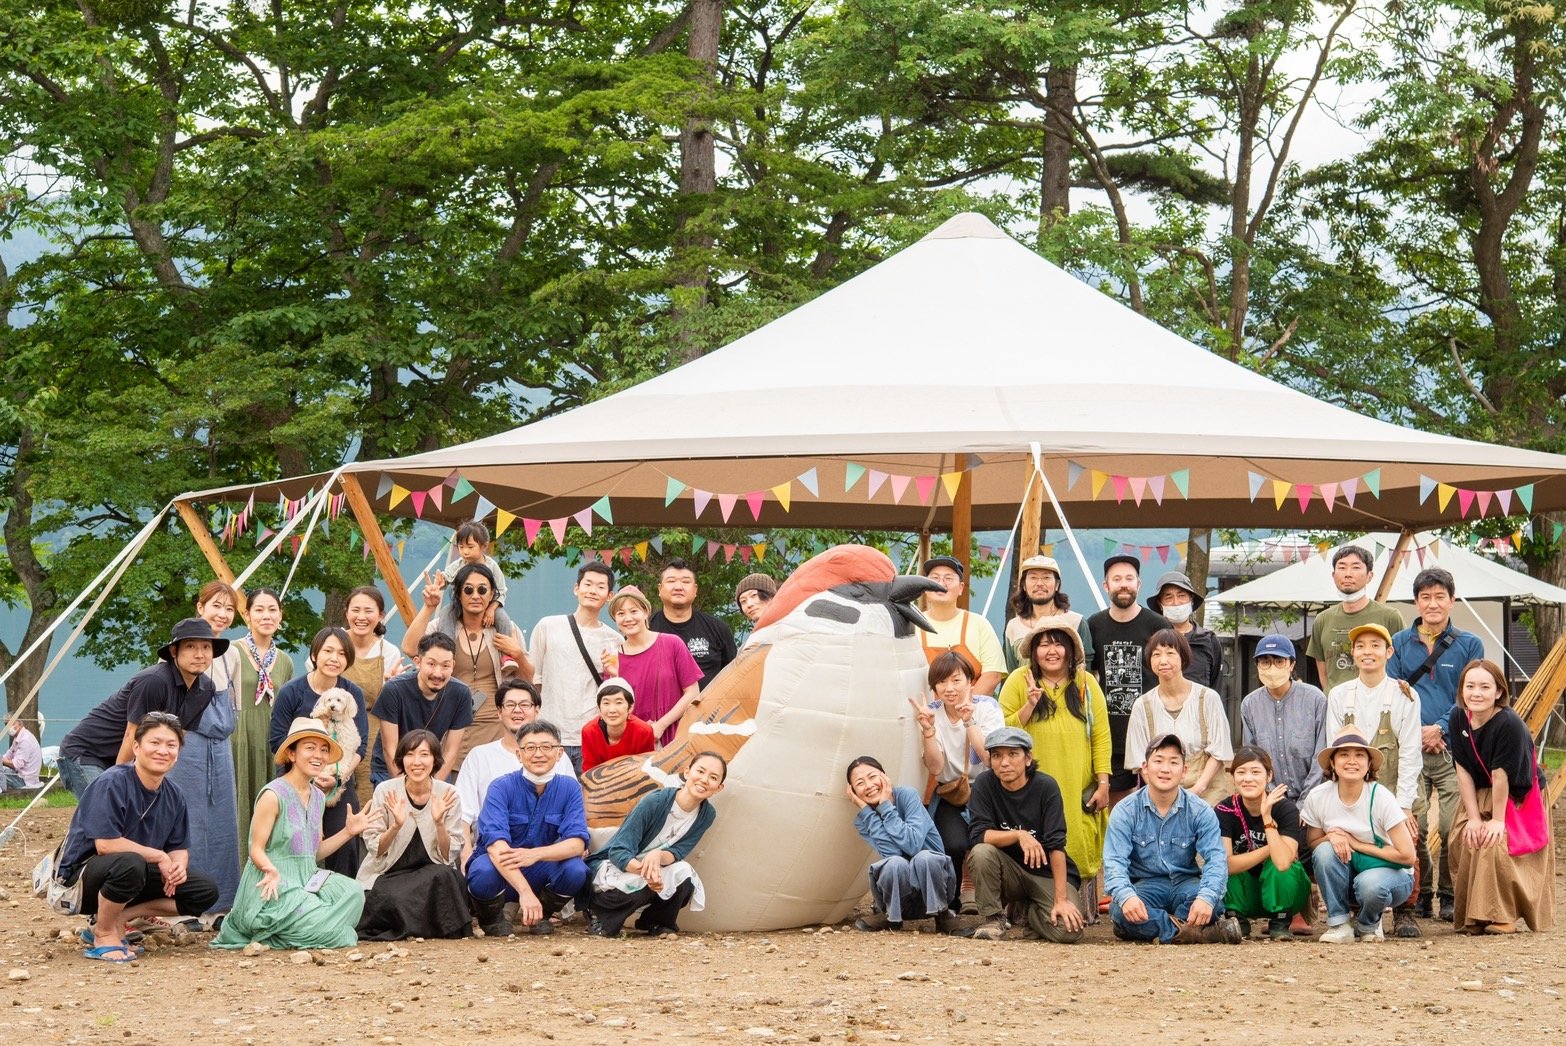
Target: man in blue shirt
{"points": [[1155, 836], [1429, 655], [531, 839]]}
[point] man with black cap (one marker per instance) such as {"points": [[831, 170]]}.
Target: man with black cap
{"points": [[1018, 829], [1120, 634], [1039, 596], [1178, 601], [176, 684], [963, 631], [1157, 891]]}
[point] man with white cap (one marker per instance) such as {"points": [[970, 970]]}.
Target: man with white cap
{"points": [[1285, 716], [1039, 596], [1178, 601]]}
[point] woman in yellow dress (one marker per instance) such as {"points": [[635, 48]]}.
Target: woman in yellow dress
{"points": [[1060, 705]]}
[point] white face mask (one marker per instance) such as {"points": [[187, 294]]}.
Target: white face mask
{"points": [[539, 779], [1178, 614], [1350, 597], [1273, 676]]}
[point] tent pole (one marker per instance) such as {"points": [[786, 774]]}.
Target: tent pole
{"points": [[365, 515], [209, 548], [924, 549], [962, 531], [1032, 515], [1404, 539]]}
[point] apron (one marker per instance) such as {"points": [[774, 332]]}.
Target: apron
{"points": [[1385, 741], [960, 649]]}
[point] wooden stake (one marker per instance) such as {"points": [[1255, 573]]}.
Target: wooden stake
{"points": [[962, 533], [209, 548], [1404, 539], [365, 515]]}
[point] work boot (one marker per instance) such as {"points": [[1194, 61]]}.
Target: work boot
{"points": [[873, 922], [949, 922], [1448, 908], [1224, 929], [1403, 924], [491, 916], [1424, 908], [1278, 929], [991, 929]]}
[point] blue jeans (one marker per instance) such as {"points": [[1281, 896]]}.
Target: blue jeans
{"points": [[77, 775], [1375, 889], [1163, 896], [566, 878]]}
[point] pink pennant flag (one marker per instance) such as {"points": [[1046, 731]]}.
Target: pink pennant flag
{"points": [[1163, 553], [584, 519], [1147, 553], [558, 527], [877, 478], [1155, 484], [1465, 501], [295, 542], [1120, 488], [607, 555], [703, 498], [1303, 492], [1484, 501], [625, 555], [728, 553], [1421, 551], [899, 487], [754, 500], [530, 529], [435, 493], [1329, 494], [1350, 488], [712, 549], [417, 497], [925, 485], [1138, 488], [1504, 499], [726, 504], [744, 553]]}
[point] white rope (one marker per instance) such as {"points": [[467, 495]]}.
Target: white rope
{"points": [[1505, 647], [10, 829], [1011, 535], [1065, 524], [282, 534], [319, 503]]}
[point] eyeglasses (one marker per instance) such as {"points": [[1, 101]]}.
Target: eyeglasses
{"points": [[539, 749], [475, 590], [163, 718], [516, 706]]}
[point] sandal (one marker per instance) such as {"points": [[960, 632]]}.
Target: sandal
{"points": [[117, 953], [86, 936]]}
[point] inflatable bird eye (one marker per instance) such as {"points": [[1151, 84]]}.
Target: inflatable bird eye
{"points": [[827, 677]]}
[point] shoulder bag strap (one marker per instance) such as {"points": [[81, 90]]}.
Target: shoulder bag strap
{"points": [[581, 645], [1444, 640]]}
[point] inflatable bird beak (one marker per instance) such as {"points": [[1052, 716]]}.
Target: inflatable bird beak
{"points": [[905, 589]]}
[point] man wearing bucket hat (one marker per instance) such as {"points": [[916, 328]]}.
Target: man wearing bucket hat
{"points": [[1017, 825], [1178, 601], [963, 631], [176, 684], [1039, 596], [1387, 711]]}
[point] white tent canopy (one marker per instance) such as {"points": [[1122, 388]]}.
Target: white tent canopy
{"points": [[961, 353]]}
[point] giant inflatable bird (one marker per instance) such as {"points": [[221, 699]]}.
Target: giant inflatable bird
{"points": [[827, 677]]}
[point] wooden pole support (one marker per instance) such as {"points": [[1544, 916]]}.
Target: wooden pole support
{"points": [[1032, 516], [962, 533], [365, 515], [209, 548], [1404, 539]]}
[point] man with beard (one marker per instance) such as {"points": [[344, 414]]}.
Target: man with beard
{"points": [[1039, 596], [1120, 636], [1329, 647], [425, 699]]}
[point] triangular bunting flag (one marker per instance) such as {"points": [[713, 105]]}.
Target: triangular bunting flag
{"points": [[418, 498], [877, 480], [672, 490], [558, 528], [925, 485], [353, 540], [657, 544], [503, 520], [760, 549], [1180, 548], [604, 510], [1138, 488], [1329, 494], [296, 544], [397, 495], [851, 474], [1503, 498], [1110, 547], [1147, 553], [1073, 473], [641, 551], [1098, 480], [1163, 553], [402, 546], [728, 553], [712, 549], [1280, 492], [899, 485], [1426, 485], [584, 519], [381, 489], [753, 500], [482, 508], [462, 490], [530, 528], [1302, 491], [607, 555], [782, 492], [703, 499], [1444, 492], [1525, 495], [745, 553], [1517, 540], [726, 505], [1120, 488], [1372, 481], [1201, 542], [696, 543], [625, 556], [951, 481], [1155, 484], [572, 555], [451, 480], [1421, 551], [1256, 480], [807, 479], [1483, 497], [1181, 478], [1350, 489]]}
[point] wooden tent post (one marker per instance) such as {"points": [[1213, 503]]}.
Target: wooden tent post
{"points": [[1028, 539], [962, 532], [1404, 539], [209, 548], [376, 539]]}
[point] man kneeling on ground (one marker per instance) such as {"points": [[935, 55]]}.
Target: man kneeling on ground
{"points": [[1150, 873], [1018, 829]]}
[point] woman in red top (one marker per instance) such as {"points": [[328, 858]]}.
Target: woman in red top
{"points": [[616, 731]]}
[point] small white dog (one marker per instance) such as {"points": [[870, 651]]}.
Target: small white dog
{"points": [[336, 709]]}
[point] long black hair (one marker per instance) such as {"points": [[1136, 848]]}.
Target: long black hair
{"points": [[1075, 703]]}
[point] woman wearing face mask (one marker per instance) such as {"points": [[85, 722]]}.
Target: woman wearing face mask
{"points": [[1192, 712], [1178, 601], [1263, 838]]}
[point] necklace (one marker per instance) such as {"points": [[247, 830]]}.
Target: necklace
{"points": [[474, 642]]}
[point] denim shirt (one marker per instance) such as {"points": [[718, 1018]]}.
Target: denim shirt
{"points": [[1141, 844], [899, 826]]}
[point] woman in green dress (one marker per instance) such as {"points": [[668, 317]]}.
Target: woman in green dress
{"points": [[1060, 705], [263, 669], [284, 900]]}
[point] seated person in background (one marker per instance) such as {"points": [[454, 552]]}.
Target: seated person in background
{"points": [[644, 868], [412, 886], [1018, 831], [1262, 833], [615, 732], [1360, 842], [128, 845], [24, 758], [1156, 834], [914, 870], [518, 703], [531, 836]]}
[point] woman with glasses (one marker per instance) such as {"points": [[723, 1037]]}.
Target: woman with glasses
{"points": [[481, 648]]}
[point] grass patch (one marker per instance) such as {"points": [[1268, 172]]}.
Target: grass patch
{"points": [[1552, 760], [59, 798]]}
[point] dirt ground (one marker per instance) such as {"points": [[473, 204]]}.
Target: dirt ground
{"points": [[815, 985]]}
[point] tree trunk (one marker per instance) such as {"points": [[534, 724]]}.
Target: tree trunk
{"points": [[1055, 173], [698, 179], [41, 597]]}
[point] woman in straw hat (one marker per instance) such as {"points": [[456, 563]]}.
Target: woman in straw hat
{"points": [[284, 900]]}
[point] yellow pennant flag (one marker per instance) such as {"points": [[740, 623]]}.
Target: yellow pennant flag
{"points": [[1048, 550], [641, 551], [760, 549], [397, 494], [782, 492], [503, 519], [951, 480], [1280, 492], [1517, 536], [401, 545], [1444, 492], [1099, 479], [1180, 549]]}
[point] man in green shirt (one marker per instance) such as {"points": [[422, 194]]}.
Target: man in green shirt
{"points": [[1352, 569]]}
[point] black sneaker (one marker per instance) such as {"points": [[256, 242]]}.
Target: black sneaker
{"points": [[596, 928], [1448, 909], [1424, 908], [1278, 929], [542, 928]]}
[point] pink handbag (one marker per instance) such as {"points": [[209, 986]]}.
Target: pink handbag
{"points": [[1527, 827]]}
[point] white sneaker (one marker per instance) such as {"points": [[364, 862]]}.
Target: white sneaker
{"points": [[1343, 933], [1371, 936]]}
